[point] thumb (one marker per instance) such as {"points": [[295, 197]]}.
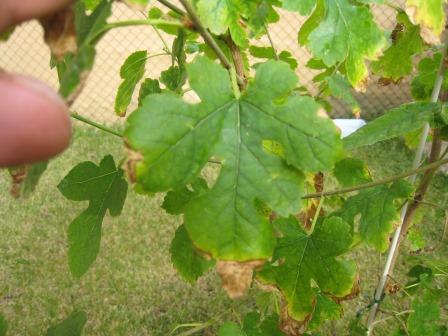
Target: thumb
{"points": [[34, 121]]}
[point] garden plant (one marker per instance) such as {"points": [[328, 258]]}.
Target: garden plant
{"points": [[270, 194]]}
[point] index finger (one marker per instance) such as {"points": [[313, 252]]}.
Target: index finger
{"points": [[15, 11]]}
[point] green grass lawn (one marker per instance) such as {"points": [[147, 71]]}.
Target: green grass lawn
{"points": [[132, 289]]}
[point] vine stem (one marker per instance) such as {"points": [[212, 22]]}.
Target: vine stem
{"points": [[208, 38], [142, 22], [271, 42], [96, 125], [172, 6], [386, 180], [407, 211]]}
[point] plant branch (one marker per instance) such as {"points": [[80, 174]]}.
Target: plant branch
{"points": [[96, 125], [208, 38], [432, 166], [271, 42], [238, 61], [142, 22], [409, 209], [173, 7]]}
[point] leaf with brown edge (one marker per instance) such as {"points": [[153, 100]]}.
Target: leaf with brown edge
{"points": [[60, 32], [430, 15], [292, 327], [25, 178], [304, 261], [236, 276]]}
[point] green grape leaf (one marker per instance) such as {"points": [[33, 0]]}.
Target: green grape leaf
{"points": [[254, 325], [406, 42], [262, 52], [307, 259], [287, 57], [269, 53], [3, 326], [89, 28], [220, 16], [174, 78], [176, 200], [351, 171], [311, 23], [394, 123], [377, 210], [430, 15], [105, 189], [148, 87], [326, 310], [340, 88], [418, 274], [131, 72], [230, 329], [71, 326], [304, 7], [182, 137], [423, 84], [186, 258], [347, 33], [425, 318]]}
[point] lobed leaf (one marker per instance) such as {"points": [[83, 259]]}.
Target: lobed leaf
{"points": [[105, 189], [342, 31], [181, 137], [406, 42], [300, 260], [377, 210]]}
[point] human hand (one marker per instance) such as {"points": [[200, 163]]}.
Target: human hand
{"points": [[34, 120]]}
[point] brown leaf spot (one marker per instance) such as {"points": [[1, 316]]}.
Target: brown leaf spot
{"points": [[237, 276], [362, 85], [18, 175], [354, 292], [60, 32], [293, 327], [133, 158]]}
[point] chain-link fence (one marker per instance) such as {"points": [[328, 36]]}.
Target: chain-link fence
{"points": [[26, 53]]}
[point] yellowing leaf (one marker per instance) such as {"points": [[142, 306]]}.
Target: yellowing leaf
{"points": [[180, 138], [406, 42], [300, 260], [346, 33], [430, 15], [378, 212]]}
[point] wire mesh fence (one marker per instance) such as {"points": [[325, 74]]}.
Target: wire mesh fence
{"points": [[26, 53]]}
